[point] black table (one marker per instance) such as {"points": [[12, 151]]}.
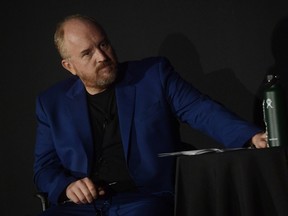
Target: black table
{"points": [[247, 182]]}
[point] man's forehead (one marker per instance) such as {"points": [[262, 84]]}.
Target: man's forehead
{"points": [[82, 24], [74, 31]]}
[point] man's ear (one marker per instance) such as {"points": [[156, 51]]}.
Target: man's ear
{"points": [[67, 65]]}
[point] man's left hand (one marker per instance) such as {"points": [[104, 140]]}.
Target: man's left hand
{"points": [[259, 140]]}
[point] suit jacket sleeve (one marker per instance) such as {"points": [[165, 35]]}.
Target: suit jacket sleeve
{"points": [[203, 113]]}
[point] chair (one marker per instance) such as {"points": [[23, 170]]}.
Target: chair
{"points": [[44, 200]]}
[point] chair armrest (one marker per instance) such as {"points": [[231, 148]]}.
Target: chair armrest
{"points": [[44, 200]]}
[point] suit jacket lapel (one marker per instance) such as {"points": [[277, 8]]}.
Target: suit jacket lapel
{"points": [[125, 97], [125, 102]]}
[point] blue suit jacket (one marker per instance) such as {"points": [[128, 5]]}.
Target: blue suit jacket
{"points": [[150, 97]]}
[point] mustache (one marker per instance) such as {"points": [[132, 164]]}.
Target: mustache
{"points": [[105, 64]]}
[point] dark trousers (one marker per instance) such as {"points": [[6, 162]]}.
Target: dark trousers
{"points": [[124, 204]]}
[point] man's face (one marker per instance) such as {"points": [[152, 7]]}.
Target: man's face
{"points": [[90, 55]]}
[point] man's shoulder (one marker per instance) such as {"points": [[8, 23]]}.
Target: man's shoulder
{"points": [[145, 69], [59, 87]]}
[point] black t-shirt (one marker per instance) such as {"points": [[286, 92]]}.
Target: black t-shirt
{"points": [[109, 161]]}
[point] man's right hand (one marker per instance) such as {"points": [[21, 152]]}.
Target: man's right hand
{"points": [[83, 191]]}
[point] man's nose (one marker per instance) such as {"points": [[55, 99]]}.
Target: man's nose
{"points": [[100, 55]]}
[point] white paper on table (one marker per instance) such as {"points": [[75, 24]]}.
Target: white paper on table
{"points": [[197, 152]]}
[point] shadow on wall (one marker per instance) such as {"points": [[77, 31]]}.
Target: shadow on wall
{"points": [[279, 49], [221, 85]]}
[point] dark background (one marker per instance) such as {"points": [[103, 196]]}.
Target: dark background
{"points": [[223, 47]]}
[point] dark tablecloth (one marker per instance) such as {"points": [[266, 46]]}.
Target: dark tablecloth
{"points": [[249, 182]]}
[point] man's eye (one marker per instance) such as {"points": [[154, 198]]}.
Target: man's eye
{"points": [[104, 45]]}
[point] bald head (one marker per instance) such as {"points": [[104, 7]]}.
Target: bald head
{"points": [[72, 25]]}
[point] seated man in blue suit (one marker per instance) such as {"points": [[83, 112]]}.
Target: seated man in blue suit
{"points": [[100, 132]]}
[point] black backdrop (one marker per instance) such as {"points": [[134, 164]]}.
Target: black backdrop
{"points": [[223, 47]]}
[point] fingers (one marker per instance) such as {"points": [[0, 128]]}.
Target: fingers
{"points": [[101, 191], [263, 140], [261, 144], [260, 140], [83, 191]]}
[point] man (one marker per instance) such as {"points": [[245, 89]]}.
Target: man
{"points": [[100, 132]]}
